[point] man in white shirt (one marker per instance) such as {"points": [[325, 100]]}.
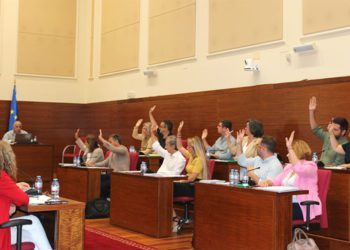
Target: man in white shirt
{"points": [[11, 134], [174, 162]]}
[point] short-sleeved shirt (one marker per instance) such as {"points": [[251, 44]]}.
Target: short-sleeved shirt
{"points": [[194, 165], [329, 156], [346, 147]]}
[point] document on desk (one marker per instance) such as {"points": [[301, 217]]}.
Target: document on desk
{"points": [[67, 164], [335, 167], [164, 175], [278, 189], [38, 200], [214, 182]]}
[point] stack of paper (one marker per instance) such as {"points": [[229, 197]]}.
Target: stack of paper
{"points": [[40, 199], [278, 189]]}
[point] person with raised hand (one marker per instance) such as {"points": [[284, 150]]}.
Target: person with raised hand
{"points": [[165, 128], [300, 172], [92, 151], [144, 137], [340, 128]]}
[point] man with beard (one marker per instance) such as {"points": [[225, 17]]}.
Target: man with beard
{"points": [[339, 126]]}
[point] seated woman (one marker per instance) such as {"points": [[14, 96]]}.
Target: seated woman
{"points": [[145, 137], [92, 152], [301, 173], [343, 149], [10, 193], [254, 131], [196, 167]]}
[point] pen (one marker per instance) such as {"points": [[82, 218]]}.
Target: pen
{"points": [[253, 169]]}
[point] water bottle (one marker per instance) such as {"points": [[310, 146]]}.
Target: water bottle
{"points": [[314, 157], [245, 179], [75, 161], [231, 177], [235, 177], [78, 161], [143, 168], [38, 185], [131, 148], [55, 189], [35, 140], [207, 154]]}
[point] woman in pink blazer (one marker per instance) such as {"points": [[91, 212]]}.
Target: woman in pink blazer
{"points": [[300, 173]]}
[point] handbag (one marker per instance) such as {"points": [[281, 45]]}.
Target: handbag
{"points": [[299, 243], [98, 208]]}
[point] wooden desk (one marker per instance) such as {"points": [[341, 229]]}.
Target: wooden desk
{"points": [[241, 218], [142, 203], [222, 169], [337, 236], [152, 161], [69, 223], [33, 160], [80, 183]]}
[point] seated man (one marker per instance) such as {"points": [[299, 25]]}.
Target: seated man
{"points": [[220, 149], [264, 166], [11, 134], [174, 162], [339, 126], [118, 160]]}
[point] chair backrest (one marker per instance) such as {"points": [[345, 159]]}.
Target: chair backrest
{"points": [[184, 143], [324, 179], [107, 154], [134, 158], [211, 166]]}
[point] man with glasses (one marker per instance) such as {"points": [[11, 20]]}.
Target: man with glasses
{"points": [[220, 149], [262, 167]]}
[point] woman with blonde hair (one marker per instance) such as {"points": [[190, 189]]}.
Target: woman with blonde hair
{"points": [[196, 167], [300, 173], [144, 137], [11, 195]]}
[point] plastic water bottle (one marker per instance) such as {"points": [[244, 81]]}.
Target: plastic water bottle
{"points": [[207, 154], [131, 148], [314, 157], [78, 161], [245, 179], [55, 189], [35, 140], [38, 185], [231, 177], [75, 161], [143, 168], [235, 177]]}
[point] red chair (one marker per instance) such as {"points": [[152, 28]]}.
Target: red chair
{"points": [[71, 151], [324, 179], [19, 223], [134, 158], [107, 154], [186, 201]]}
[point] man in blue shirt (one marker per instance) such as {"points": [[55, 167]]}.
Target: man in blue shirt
{"points": [[220, 149]]}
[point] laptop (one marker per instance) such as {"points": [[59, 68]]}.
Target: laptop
{"points": [[23, 138]]}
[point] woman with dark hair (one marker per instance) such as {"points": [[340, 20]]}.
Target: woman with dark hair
{"points": [[92, 151], [254, 131], [11, 195]]}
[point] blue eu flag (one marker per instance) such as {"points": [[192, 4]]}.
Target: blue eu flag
{"points": [[13, 111]]}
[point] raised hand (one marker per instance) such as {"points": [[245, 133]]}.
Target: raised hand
{"points": [[76, 135], [100, 136], [138, 123], [152, 109], [312, 103], [240, 135], [289, 140], [330, 128], [180, 126], [204, 133]]}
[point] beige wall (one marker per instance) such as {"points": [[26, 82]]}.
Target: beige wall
{"points": [[202, 73]]}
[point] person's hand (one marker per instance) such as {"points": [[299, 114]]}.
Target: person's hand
{"points": [[76, 135], [138, 123], [263, 183], [313, 104], [289, 140], [100, 136], [152, 109], [180, 126], [23, 185], [228, 133], [204, 133], [89, 164], [240, 135], [330, 128]]}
